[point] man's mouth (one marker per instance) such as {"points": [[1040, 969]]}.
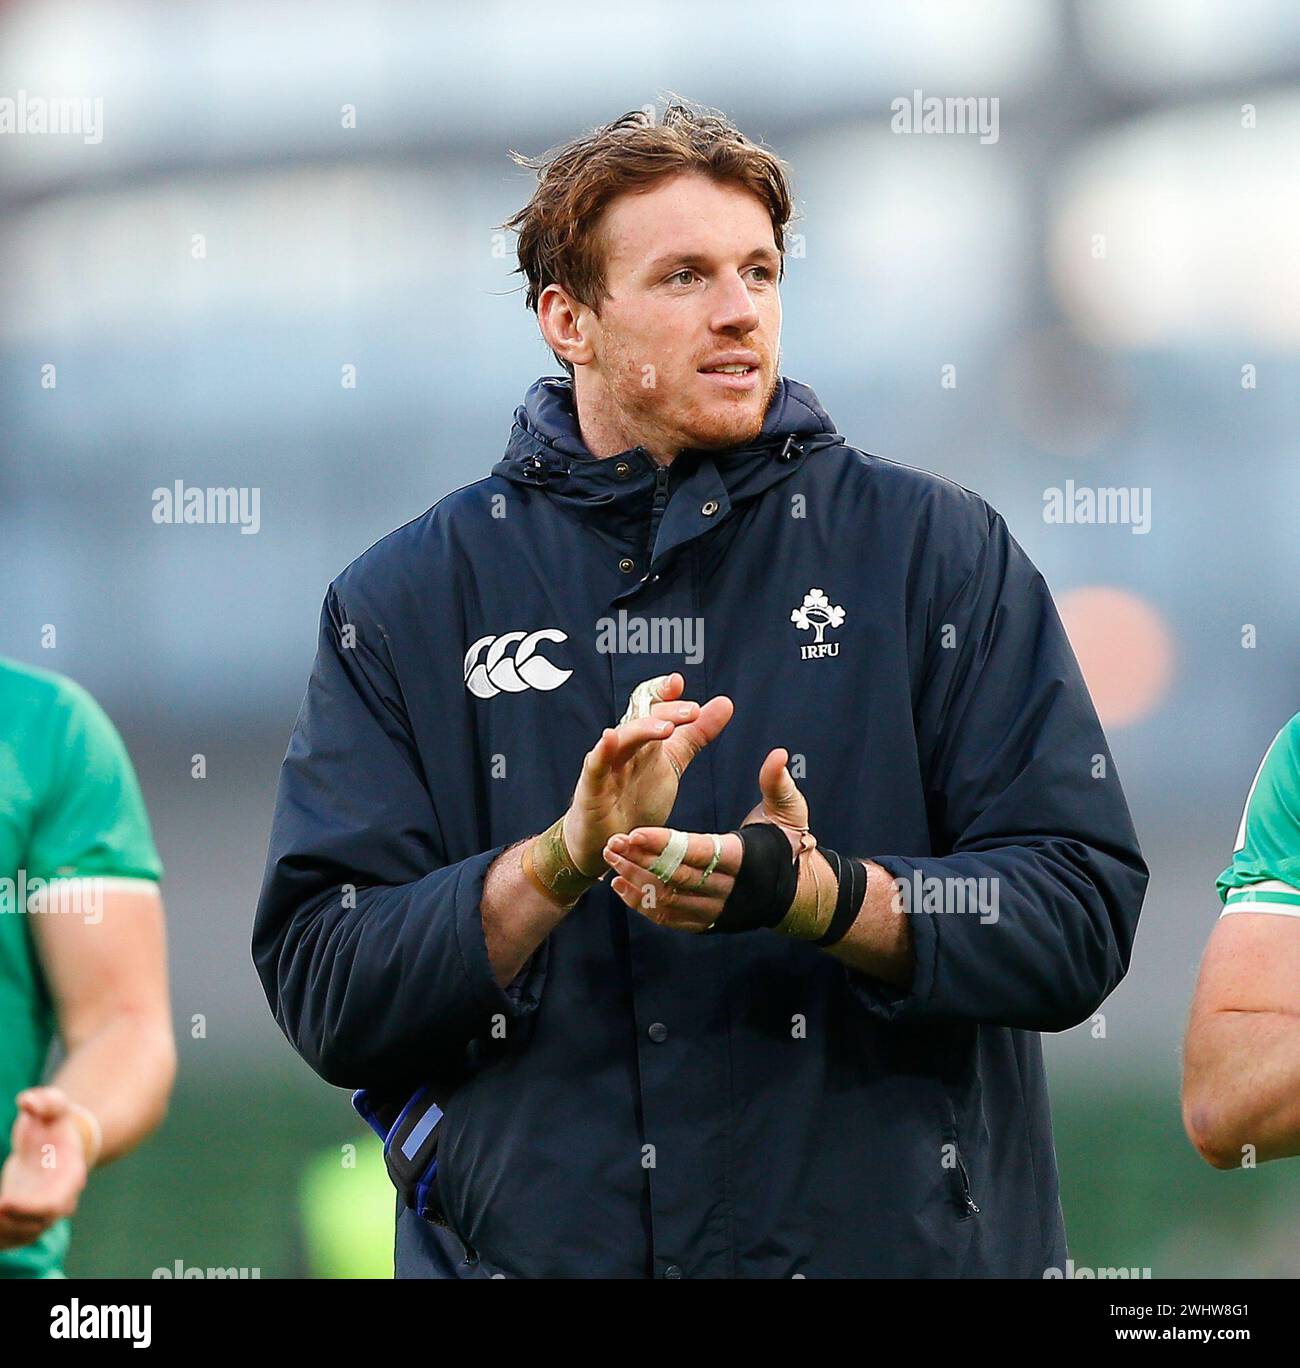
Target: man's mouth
{"points": [[732, 374]]}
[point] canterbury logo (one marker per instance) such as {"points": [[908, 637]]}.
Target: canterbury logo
{"points": [[499, 672]]}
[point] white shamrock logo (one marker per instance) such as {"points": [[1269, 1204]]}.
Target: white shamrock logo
{"points": [[817, 612]]}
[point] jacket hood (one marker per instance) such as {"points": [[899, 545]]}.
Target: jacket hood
{"points": [[546, 449]]}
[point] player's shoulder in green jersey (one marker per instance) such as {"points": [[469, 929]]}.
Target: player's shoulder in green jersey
{"points": [[1264, 875], [64, 767], [40, 697]]}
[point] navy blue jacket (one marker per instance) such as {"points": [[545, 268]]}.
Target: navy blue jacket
{"points": [[646, 1102]]}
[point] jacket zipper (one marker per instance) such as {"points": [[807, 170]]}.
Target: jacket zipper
{"points": [[967, 1199], [656, 513]]}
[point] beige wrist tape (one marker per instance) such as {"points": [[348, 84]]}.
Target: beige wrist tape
{"points": [[552, 870], [810, 913], [92, 1133]]}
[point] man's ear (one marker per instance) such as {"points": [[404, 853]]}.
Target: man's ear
{"points": [[561, 319]]}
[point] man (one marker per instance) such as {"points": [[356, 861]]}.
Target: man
{"points": [[81, 957], [1241, 1074], [677, 537]]}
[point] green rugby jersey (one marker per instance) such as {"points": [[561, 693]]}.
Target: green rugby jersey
{"points": [[1264, 875], [69, 805]]}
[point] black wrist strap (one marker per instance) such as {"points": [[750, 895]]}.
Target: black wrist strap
{"points": [[851, 876], [765, 883]]}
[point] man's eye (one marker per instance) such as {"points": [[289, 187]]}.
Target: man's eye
{"points": [[686, 275]]}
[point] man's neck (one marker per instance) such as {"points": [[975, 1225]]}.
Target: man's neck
{"points": [[605, 432], [603, 450]]}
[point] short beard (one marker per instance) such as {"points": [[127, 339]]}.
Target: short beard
{"points": [[643, 414], [738, 436]]}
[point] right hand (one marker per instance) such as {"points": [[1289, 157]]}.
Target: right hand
{"points": [[46, 1169], [630, 776]]}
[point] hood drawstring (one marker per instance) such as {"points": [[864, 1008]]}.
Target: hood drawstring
{"points": [[789, 449], [536, 472]]}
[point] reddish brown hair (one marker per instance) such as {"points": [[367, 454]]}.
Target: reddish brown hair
{"points": [[559, 238]]}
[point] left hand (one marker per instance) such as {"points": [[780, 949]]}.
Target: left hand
{"points": [[683, 903], [45, 1172]]}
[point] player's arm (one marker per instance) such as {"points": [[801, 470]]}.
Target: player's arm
{"points": [[108, 980], [1241, 1072], [382, 958], [1241, 1076], [107, 975], [97, 935]]}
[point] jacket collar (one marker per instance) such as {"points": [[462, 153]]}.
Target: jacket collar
{"points": [[546, 450]]}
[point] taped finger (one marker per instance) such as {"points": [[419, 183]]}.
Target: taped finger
{"points": [[667, 862], [644, 697]]}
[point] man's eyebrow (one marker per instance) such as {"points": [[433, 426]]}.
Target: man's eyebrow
{"points": [[698, 260]]}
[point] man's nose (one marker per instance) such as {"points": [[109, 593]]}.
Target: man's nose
{"points": [[735, 308]]}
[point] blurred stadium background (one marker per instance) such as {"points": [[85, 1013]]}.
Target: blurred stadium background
{"points": [[1115, 279]]}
